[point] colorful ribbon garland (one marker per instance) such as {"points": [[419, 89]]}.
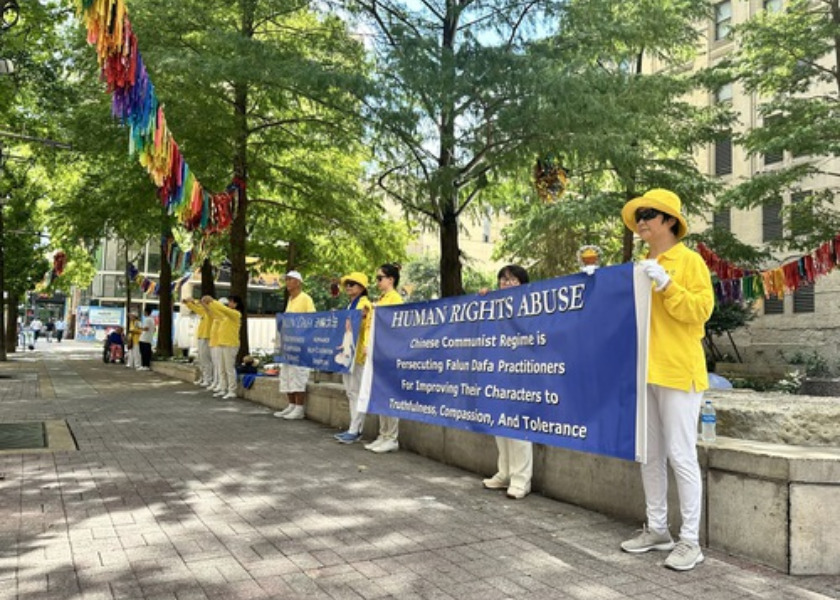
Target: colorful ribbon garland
{"points": [[151, 287], [135, 104], [735, 284]]}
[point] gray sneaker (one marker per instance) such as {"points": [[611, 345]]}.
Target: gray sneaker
{"points": [[648, 540], [684, 557]]}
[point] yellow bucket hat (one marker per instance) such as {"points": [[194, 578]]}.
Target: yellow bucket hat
{"points": [[356, 276], [662, 200]]}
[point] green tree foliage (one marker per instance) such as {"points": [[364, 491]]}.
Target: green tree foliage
{"points": [[789, 61], [450, 77], [266, 90], [420, 279], [613, 105]]}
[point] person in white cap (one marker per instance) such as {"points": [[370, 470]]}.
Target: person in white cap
{"points": [[681, 304], [293, 379]]}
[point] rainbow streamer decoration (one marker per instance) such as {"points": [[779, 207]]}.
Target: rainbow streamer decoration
{"points": [[135, 104]]}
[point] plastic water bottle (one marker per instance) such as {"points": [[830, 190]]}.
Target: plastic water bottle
{"points": [[708, 422]]}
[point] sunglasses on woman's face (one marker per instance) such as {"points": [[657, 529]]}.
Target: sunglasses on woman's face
{"points": [[647, 214]]}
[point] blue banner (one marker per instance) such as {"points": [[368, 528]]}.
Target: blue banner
{"points": [[554, 362], [325, 341]]}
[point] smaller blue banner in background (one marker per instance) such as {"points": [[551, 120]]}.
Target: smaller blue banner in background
{"points": [[325, 341]]}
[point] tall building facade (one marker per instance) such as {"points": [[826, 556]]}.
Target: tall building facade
{"points": [[808, 320]]}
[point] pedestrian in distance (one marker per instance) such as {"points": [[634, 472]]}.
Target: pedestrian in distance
{"points": [[293, 379], [387, 280], [60, 328], [681, 303], [36, 326], [133, 342], [49, 327], [355, 286], [147, 336], [515, 465]]}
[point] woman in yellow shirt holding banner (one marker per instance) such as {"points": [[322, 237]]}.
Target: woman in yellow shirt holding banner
{"points": [[355, 285], [387, 280], [681, 304]]}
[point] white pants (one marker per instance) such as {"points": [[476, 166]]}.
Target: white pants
{"points": [[227, 370], [133, 356], [389, 427], [352, 382], [516, 462], [672, 438], [216, 359], [205, 361]]}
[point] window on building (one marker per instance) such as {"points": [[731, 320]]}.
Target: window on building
{"points": [[723, 156], [722, 219], [803, 300], [723, 20], [774, 306], [773, 157], [800, 213], [724, 94], [771, 221], [773, 6]]}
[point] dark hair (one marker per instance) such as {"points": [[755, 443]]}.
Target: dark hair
{"points": [[238, 301], [392, 270], [513, 271], [147, 310]]}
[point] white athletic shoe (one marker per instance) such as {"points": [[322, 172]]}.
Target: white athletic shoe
{"points": [[282, 413], [298, 412]]}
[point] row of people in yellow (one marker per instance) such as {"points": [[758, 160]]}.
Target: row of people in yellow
{"points": [[218, 342]]}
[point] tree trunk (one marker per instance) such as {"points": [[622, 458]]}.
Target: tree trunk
{"points": [[208, 282], [238, 230], [11, 322], [627, 238], [451, 283], [165, 306], [127, 291]]}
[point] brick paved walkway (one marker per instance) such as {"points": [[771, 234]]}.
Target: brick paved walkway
{"points": [[176, 495]]}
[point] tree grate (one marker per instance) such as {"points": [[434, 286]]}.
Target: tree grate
{"points": [[22, 436]]}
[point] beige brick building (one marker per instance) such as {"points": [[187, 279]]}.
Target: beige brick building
{"points": [[805, 321]]}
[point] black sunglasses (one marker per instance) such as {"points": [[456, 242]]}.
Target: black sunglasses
{"points": [[350, 283], [648, 214]]}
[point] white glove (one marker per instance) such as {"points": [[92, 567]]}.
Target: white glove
{"points": [[657, 274], [589, 269]]}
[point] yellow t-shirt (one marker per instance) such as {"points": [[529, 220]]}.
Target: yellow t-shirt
{"points": [[677, 318], [363, 304], [206, 321], [302, 303], [229, 321]]}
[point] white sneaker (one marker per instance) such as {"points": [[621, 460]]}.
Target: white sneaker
{"points": [[374, 443], [298, 412], [386, 446], [282, 413], [494, 484], [219, 394], [229, 396]]}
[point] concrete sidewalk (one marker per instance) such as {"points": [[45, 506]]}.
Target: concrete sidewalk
{"points": [[174, 494]]}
